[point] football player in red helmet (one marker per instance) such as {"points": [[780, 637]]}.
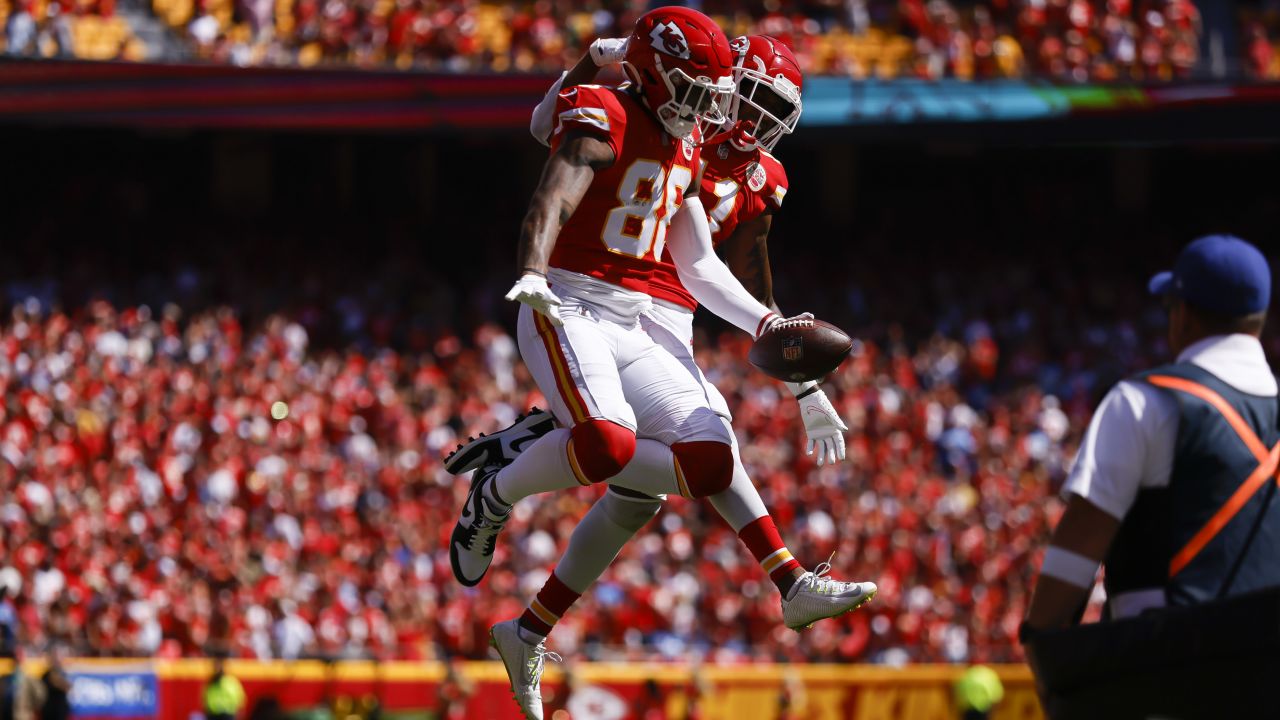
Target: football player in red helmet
{"points": [[746, 185], [669, 60], [623, 170]]}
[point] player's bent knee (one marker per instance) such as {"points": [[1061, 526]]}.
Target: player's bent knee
{"points": [[630, 511], [601, 449], [707, 466]]}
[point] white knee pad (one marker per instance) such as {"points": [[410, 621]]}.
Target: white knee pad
{"points": [[630, 511]]}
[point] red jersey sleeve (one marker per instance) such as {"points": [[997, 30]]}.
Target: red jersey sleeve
{"points": [[594, 110], [775, 181]]}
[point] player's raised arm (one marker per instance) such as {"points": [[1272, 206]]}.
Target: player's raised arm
{"points": [[565, 179], [603, 51]]}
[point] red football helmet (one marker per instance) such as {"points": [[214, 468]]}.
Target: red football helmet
{"points": [[679, 59], [768, 89]]}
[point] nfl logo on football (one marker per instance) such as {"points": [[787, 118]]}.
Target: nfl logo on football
{"points": [[792, 349]]}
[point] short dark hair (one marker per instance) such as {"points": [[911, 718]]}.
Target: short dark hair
{"points": [[1218, 324]]}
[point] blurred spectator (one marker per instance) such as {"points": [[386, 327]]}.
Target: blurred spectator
{"points": [[454, 694], [87, 29], [8, 625], [57, 689], [223, 695], [977, 693]]}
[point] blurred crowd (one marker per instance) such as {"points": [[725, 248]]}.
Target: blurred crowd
{"points": [[155, 504], [1069, 40], [85, 29], [1075, 40], [1260, 30], [151, 502]]}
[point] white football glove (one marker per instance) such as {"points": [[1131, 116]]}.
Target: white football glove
{"points": [[821, 422], [608, 51], [531, 289]]}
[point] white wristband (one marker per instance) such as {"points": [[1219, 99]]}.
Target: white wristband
{"points": [[1069, 567], [797, 388]]}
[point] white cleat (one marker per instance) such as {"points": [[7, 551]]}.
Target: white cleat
{"points": [[502, 447], [471, 545], [816, 596], [524, 663]]}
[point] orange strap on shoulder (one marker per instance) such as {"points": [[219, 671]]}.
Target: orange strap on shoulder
{"points": [[1267, 464]]}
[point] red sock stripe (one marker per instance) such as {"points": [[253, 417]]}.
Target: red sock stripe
{"points": [[763, 320], [556, 596], [532, 623], [552, 602], [765, 543], [784, 571]]}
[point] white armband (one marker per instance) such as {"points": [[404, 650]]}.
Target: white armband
{"points": [[1069, 567], [705, 276], [542, 122]]}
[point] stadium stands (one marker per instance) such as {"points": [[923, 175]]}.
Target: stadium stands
{"points": [[1068, 40], [156, 508], [150, 504]]}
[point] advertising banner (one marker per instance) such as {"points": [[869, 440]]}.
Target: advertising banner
{"points": [[113, 692]]}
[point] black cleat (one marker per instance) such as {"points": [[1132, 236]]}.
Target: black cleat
{"points": [[471, 545], [502, 447]]}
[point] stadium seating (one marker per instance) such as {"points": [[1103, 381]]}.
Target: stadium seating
{"points": [[1076, 41], [144, 441]]}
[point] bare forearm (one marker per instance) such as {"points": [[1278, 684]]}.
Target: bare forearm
{"points": [[565, 179], [537, 238], [1055, 604], [582, 73], [746, 252], [1081, 541]]}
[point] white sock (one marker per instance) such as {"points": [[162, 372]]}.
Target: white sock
{"points": [[492, 501], [651, 471], [740, 504], [599, 537], [543, 467]]}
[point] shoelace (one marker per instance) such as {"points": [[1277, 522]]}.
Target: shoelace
{"points": [[537, 661], [485, 528], [822, 583]]}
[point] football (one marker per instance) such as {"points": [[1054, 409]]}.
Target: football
{"points": [[799, 353]]}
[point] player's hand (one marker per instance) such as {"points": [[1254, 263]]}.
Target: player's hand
{"points": [[821, 423], [531, 289], [774, 320], [608, 51]]}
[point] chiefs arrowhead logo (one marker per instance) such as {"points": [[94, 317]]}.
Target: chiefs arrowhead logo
{"points": [[668, 38]]}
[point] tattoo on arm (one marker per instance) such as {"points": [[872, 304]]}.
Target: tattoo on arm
{"points": [[565, 179]]}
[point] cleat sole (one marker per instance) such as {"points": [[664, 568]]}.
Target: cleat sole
{"points": [[475, 452], [859, 606]]}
